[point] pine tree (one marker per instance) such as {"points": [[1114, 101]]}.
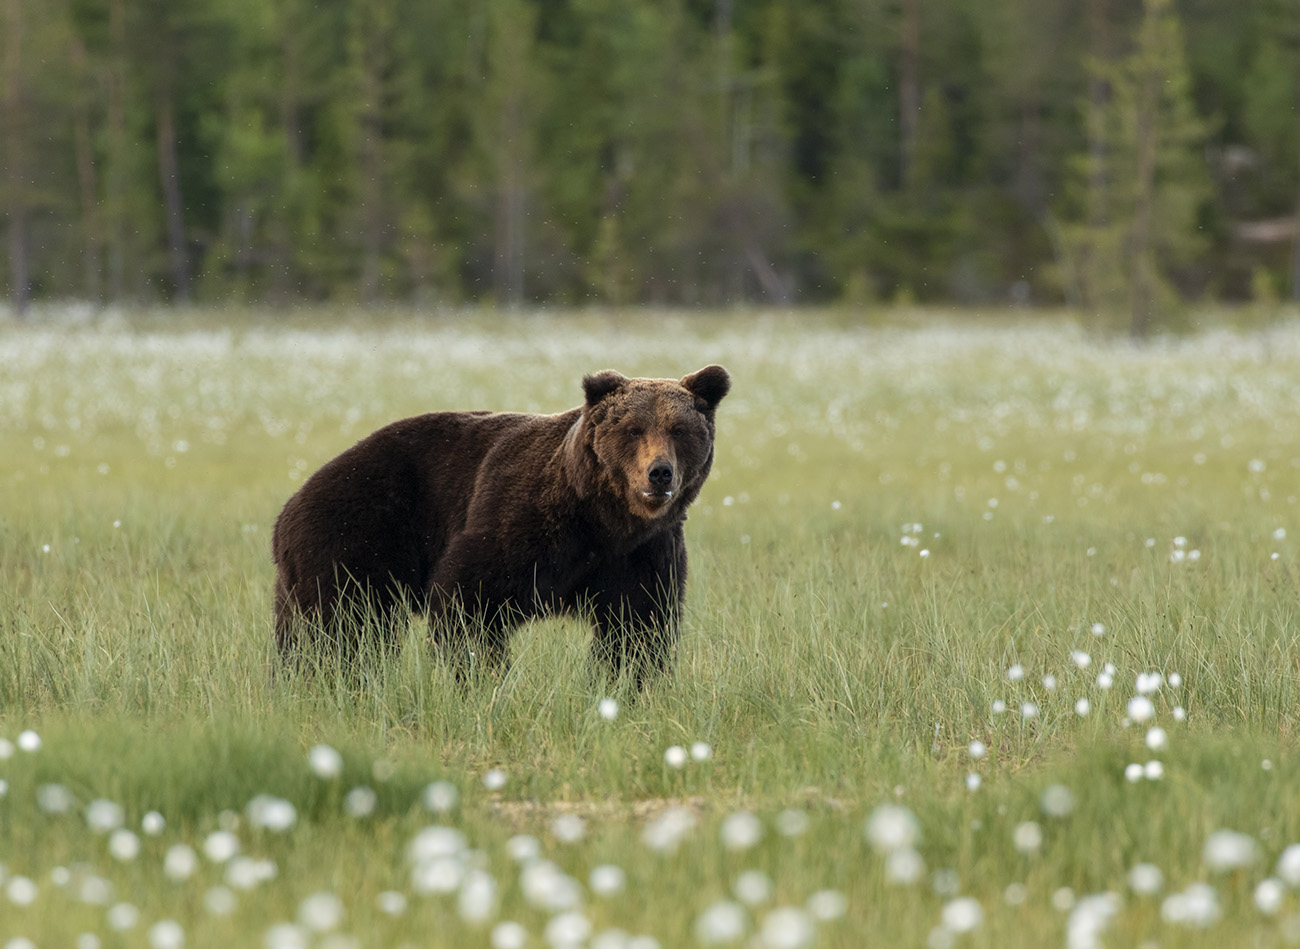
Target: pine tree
{"points": [[1143, 178]]}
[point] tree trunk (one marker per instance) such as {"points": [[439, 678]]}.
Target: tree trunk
{"points": [[372, 169], [115, 175], [909, 90], [14, 121], [87, 179], [1143, 276], [508, 273], [174, 203], [1295, 252]]}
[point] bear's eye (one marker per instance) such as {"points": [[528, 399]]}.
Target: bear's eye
{"points": [[635, 431], [678, 431]]}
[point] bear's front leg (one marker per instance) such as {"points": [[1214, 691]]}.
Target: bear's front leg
{"points": [[636, 603]]}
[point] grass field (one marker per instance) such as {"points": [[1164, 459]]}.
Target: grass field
{"points": [[992, 638]]}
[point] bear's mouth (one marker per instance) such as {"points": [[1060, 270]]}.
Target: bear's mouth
{"points": [[656, 498]]}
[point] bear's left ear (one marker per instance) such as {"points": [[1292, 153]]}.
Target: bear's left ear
{"points": [[601, 384], [708, 386]]}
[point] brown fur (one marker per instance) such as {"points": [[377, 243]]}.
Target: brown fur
{"points": [[486, 519]]}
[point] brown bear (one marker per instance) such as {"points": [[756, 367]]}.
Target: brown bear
{"points": [[485, 519]]}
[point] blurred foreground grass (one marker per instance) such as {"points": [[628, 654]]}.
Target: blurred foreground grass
{"points": [[917, 536]]}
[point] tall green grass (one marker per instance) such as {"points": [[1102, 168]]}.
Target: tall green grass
{"points": [[1060, 483]]}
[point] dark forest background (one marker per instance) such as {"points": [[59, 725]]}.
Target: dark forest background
{"points": [[1121, 155]]}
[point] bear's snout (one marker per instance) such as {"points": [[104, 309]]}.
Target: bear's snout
{"points": [[661, 476]]}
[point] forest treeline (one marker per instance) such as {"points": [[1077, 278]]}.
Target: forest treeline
{"points": [[1111, 154]]}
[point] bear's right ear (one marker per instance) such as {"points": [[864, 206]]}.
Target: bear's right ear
{"points": [[601, 384]]}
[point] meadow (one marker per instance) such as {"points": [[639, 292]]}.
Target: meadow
{"points": [[992, 638]]}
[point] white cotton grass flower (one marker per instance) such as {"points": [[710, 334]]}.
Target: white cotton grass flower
{"points": [[477, 901], [523, 847], [792, 822], [973, 781], [220, 845], [892, 827], [508, 935], [827, 905], [439, 797], [1157, 739], [1082, 707], [123, 845], [122, 916], [180, 863], [166, 934], [495, 779], [606, 880], [391, 902], [548, 888], [998, 706], [21, 891], [1133, 772], [1196, 907], [437, 875], [740, 831], [1015, 673], [962, 915], [55, 799], [1105, 680], [1140, 709], [1080, 658], [787, 927], [701, 751], [1227, 850], [29, 741], [360, 802], [434, 842], [325, 762], [286, 936], [568, 828], [1089, 918], [153, 824], [1179, 713], [103, 816], [666, 831], [248, 873], [675, 756], [753, 887], [220, 901], [723, 922], [904, 867], [1028, 710], [1148, 683], [87, 941], [6, 749], [95, 890], [567, 929], [1146, 879], [1098, 629], [1288, 865], [1027, 837], [607, 709], [268, 812], [1153, 770], [977, 749], [1269, 895], [1057, 800]]}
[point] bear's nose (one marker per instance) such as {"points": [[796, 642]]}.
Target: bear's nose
{"points": [[661, 475]]}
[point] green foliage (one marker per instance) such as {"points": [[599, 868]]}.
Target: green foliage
{"points": [[628, 151]]}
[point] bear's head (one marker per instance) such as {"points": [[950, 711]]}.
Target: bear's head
{"points": [[647, 442]]}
